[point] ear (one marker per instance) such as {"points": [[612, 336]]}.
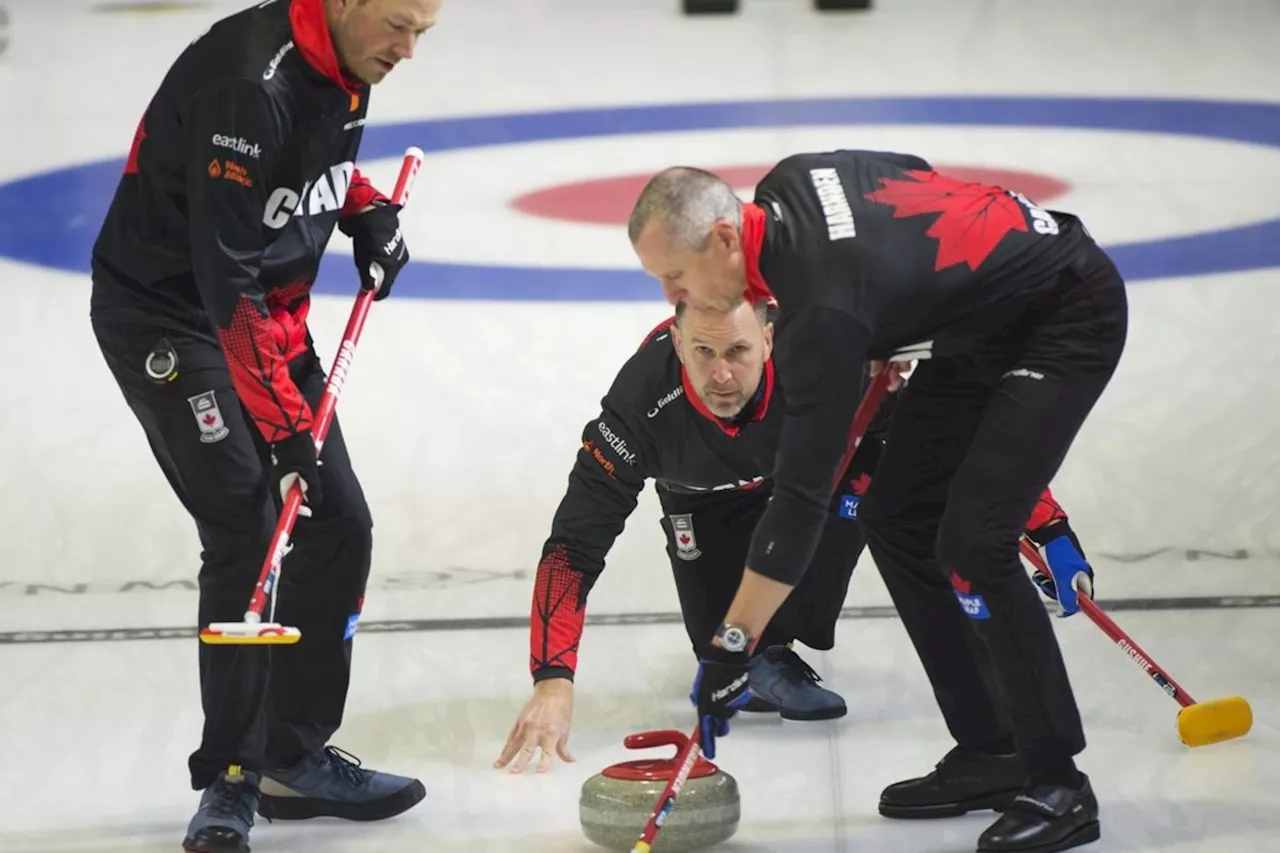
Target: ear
{"points": [[676, 342], [768, 341], [726, 236]]}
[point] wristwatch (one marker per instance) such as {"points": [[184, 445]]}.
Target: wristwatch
{"points": [[734, 638]]}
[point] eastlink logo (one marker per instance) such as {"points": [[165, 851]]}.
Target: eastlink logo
{"points": [[617, 442], [238, 145]]}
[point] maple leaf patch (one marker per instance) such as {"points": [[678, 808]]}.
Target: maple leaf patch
{"points": [[975, 217]]}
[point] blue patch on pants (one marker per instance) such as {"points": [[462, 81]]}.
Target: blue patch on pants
{"points": [[352, 621], [974, 605], [849, 506]]}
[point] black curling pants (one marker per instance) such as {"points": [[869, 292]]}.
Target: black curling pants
{"points": [[709, 534], [264, 706], [973, 443]]}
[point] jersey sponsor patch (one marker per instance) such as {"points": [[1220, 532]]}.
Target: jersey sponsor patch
{"points": [[617, 443], [849, 506], [238, 144], [671, 396], [230, 170], [274, 65]]}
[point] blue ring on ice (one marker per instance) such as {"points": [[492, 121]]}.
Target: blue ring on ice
{"points": [[51, 219]]}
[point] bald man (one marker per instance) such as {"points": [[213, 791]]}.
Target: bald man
{"points": [[242, 166], [698, 410]]}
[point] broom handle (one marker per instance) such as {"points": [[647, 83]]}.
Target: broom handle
{"points": [[1112, 630], [684, 761], [279, 545]]}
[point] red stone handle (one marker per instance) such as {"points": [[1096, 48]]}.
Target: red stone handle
{"points": [[663, 737]]}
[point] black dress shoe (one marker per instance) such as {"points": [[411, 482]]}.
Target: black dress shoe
{"points": [[964, 781], [1045, 818]]}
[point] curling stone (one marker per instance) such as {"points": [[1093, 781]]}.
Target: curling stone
{"points": [[617, 802]]}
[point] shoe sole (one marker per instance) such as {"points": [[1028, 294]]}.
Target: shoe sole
{"points": [[998, 802], [305, 808], [810, 716], [1086, 834], [192, 845]]}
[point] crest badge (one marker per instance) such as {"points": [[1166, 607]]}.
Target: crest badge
{"points": [[686, 540], [209, 417]]}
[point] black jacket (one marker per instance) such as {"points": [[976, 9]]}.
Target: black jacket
{"points": [[241, 166], [871, 255], [652, 426]]}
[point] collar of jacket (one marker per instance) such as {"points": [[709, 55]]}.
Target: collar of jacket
{"points": [[315, 43]]}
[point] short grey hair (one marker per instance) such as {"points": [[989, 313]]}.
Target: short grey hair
{"points": [[760, 308], [688, 201]]}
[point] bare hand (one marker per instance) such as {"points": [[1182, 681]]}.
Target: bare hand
{"points": [[896, 369], [542, 725]]}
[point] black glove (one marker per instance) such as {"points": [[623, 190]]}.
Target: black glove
{"points": [[719, 689], [376, 239], [297, 455]]}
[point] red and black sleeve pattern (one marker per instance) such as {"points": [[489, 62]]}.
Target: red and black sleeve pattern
{"points": [[1048, 511], [604, 488], [234, 136]]}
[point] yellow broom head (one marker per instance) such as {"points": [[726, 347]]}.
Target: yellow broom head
{"points": [[249, 634], [1215, 721]]}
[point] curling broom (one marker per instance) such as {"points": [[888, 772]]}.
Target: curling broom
{"points": [[253, 631], [1199, 723]]}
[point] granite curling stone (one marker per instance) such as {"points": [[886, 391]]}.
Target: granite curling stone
{"points": [[617, 802]]}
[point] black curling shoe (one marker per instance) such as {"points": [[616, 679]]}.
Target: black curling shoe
{"points": [[1045, 818], [964, 781]]}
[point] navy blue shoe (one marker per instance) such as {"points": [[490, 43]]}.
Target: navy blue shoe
{"points": [[225, 816], [784, 683], [331, 783]]}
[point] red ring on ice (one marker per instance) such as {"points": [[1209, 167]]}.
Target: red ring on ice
{"points": [[608, 201]]}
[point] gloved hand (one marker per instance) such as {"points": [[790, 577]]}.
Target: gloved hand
{"points": [[1065, 558], [295, 459], [376, 239], [719, 690]]}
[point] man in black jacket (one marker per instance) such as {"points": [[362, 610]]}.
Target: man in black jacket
{"points": [[242, 165], [699, 410], [1017, 320]]}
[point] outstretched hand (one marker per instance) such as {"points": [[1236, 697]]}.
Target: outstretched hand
{"points": [[543, 725]]}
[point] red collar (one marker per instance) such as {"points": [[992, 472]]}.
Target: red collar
{"points": [[312, 37], [752, 244], [731, 429]]}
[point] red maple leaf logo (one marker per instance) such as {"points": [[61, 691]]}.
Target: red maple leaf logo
{"points": [[860, 483], [975, 217], [684, 538], [210, 420]]}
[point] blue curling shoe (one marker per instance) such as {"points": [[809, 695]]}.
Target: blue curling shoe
{"points": [[782, 682], [331, 783], [225, 816]]}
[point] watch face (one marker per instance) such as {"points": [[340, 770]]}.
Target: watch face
{"points": [[734, 639]]}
